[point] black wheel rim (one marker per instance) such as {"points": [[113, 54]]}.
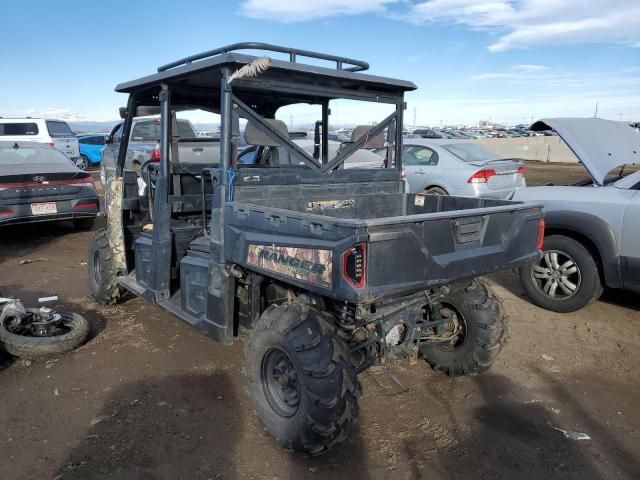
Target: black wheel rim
{"points": [[25, 328], [556, 275], [97, 270], [280, 382]]}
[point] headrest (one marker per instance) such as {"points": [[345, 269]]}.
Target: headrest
{"points": [[253, 136], [372, 142]]}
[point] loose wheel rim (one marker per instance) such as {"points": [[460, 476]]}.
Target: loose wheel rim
{"points": [[280, 382], [64, 325], [556, 275]]}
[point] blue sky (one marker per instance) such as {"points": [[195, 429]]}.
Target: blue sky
{"points": [[505, 60]]}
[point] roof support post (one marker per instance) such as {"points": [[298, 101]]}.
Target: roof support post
{"points": [[400, 106], [126, 132], [161, 246], [325, 133], [226, 123]]}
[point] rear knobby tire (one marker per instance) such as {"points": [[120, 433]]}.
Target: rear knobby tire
{"points": [[325, 380], [103, 280], [32, 347], [484, 334]]}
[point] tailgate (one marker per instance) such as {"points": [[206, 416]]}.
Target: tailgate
{"points": [[68, 146], [206, 151], [63, 138], [413, 253]]}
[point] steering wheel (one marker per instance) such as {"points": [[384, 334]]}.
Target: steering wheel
{"points": [[146, 175]]}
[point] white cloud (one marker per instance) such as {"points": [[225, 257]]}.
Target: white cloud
{"points": [[517, 72], [288, 11], [522, 23]]}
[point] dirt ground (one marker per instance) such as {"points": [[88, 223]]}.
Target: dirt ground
{"points": [[147, 397]]}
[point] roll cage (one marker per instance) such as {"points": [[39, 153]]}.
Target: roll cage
{"points": [[202, 82]]}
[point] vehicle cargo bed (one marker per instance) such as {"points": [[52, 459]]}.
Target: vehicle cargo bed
{"points": [[412, 241]]}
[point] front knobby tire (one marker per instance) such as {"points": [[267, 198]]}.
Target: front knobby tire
{"points": [[103, 280], [300, 379], [478, 317]]}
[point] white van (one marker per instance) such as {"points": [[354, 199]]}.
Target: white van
{"points": [[55, 133]]}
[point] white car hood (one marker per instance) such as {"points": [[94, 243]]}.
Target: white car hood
{"points": [[601, 145]]}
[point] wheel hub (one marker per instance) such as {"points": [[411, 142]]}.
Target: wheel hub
{"points": [[557, 275], [280, 382]]}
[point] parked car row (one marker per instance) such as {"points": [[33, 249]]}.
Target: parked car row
{"points": [[85, 151], [468, 133]]}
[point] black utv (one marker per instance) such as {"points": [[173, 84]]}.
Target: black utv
{"points": [[329, 270]]}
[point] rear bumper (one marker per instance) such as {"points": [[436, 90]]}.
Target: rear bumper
{"points": [[14, 213]]}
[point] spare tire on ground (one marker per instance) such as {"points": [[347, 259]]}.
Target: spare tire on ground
{"points": [[28, 339]]}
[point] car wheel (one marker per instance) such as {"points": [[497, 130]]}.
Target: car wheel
{"points": [[435, 191], [565, 279], [82, 162], [84, 223]]}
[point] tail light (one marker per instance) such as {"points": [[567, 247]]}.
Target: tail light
{"points": [[403, 174], [6, 212], [482, 176], [86, 205], [155, 155], [521, 170], [540, 234], [354, 265], [51, 144]]}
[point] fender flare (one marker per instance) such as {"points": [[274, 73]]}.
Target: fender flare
{"points": [[595, 230]]}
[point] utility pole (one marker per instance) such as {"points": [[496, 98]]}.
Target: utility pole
{"points": [[595, 115], [440, 123]]}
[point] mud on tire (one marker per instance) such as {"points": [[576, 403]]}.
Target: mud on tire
{"points": [[102, 276], [484, 332], [298, 342]]}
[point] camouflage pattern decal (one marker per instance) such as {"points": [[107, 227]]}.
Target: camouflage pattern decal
{"points": [[113, 194], [308, 264]]}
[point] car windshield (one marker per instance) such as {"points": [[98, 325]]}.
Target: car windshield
{"points": [[59, 129], [28, 155], [471, 152]]}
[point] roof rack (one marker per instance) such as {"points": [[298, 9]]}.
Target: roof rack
{"points": [[355, 65]]}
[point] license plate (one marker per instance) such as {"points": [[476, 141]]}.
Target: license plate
{"points": [[44, 208]]}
